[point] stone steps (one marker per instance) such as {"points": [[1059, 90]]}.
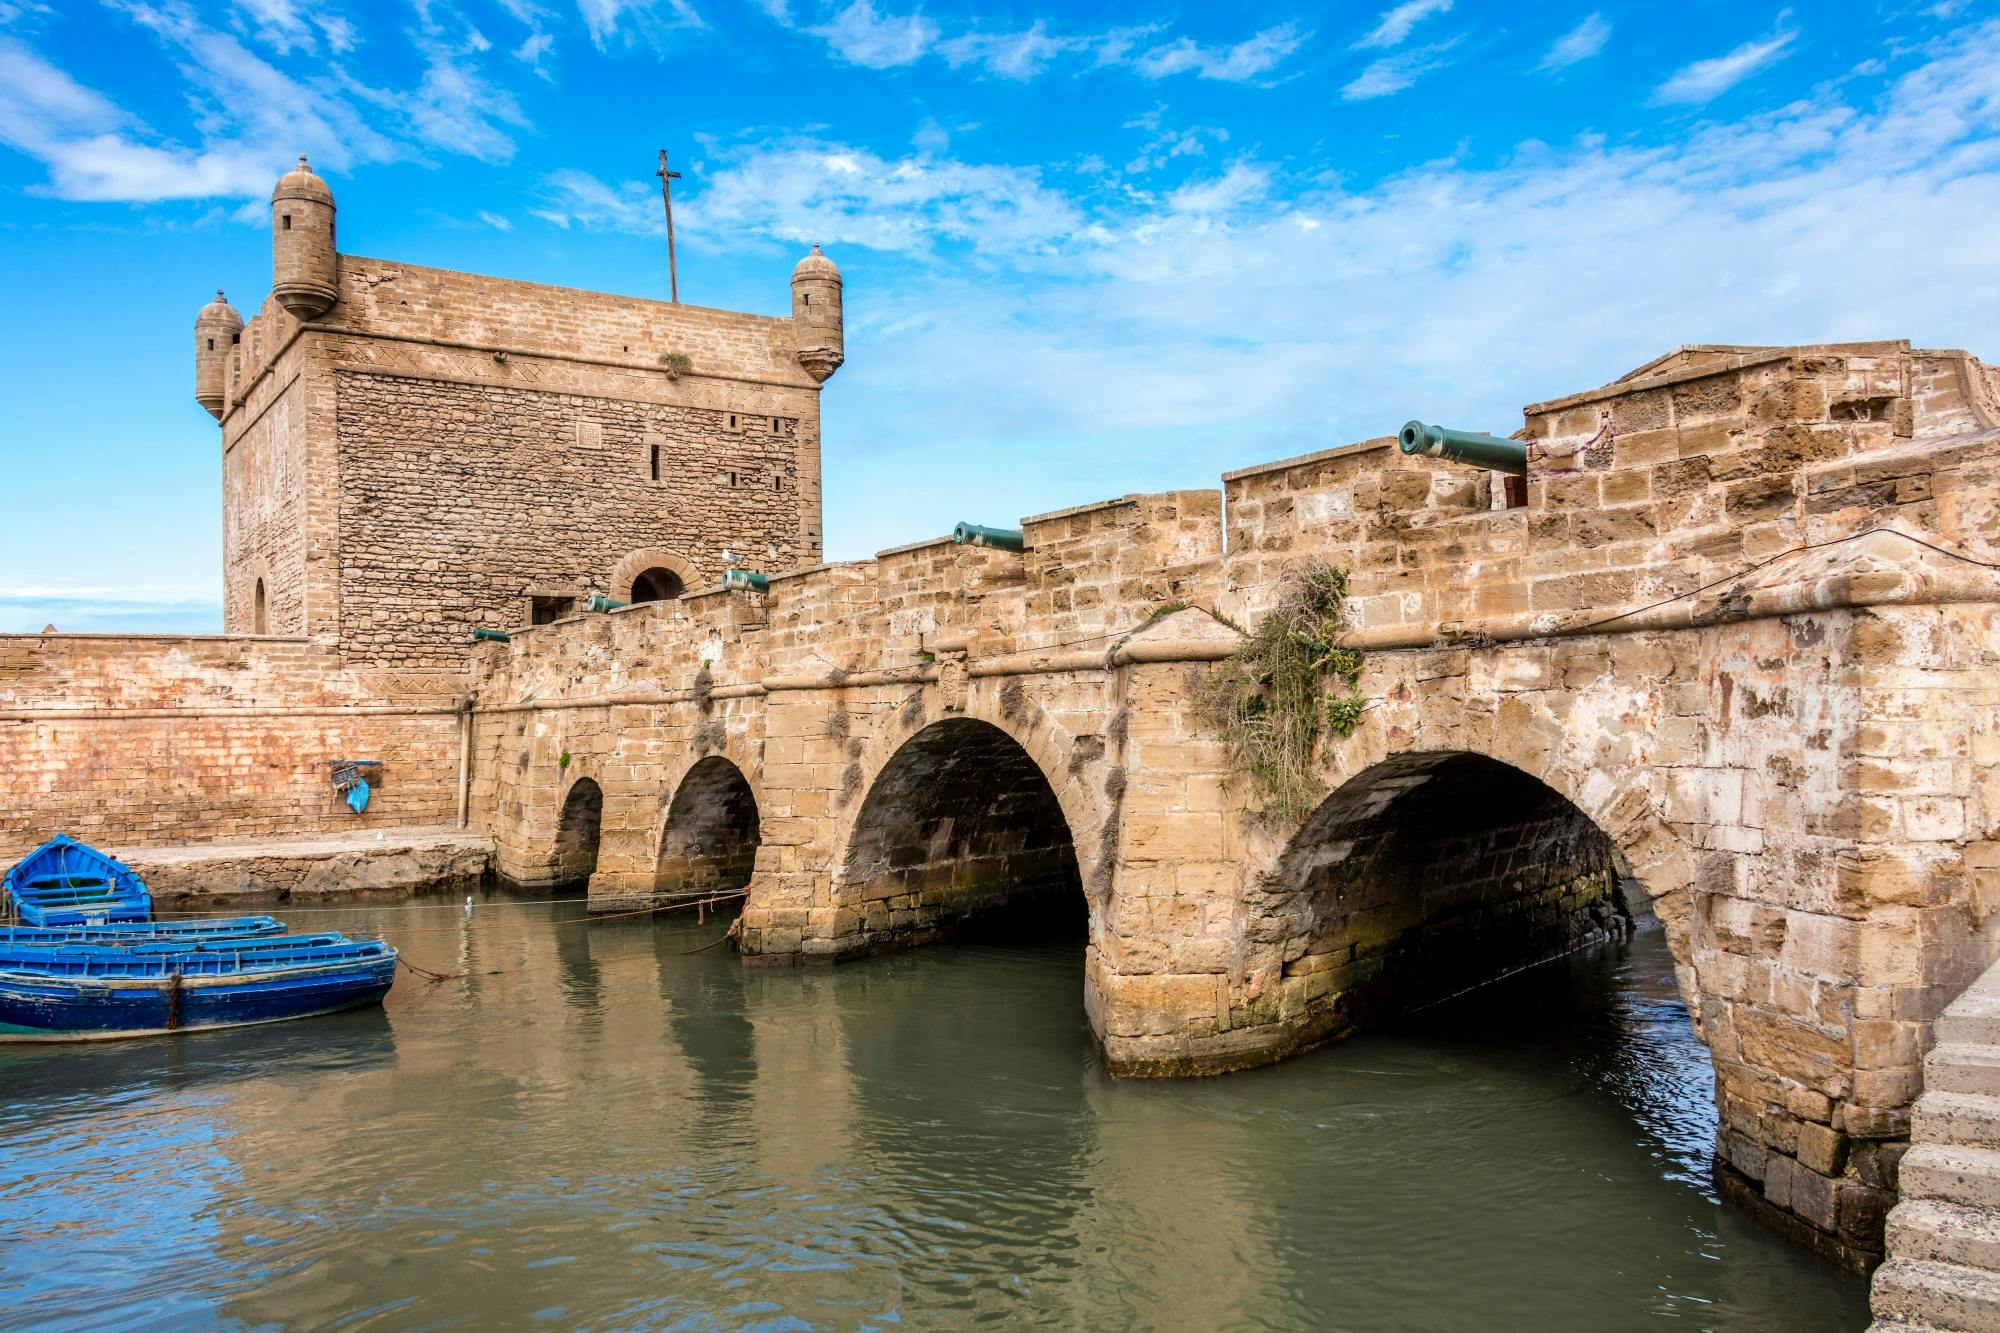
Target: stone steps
{"points": [[1941, 1273], [1932, 1295]]}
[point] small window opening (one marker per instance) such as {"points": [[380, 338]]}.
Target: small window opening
{"points": [[777, 483], [547, 610], [211, 344], [1517, 492], [732, 479], [235, 338], [260, 615], [656, 462], [732, 421], [288, 221], [656, 585], [809, 298], [774, 425]]}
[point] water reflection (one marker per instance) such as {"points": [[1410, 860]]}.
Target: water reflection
{"points": [[604, 1124]]}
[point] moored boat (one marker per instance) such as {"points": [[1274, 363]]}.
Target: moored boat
{"points": [[64, 882], [96, 992], [144, 932]]}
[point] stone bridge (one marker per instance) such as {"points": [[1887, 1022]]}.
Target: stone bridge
{"points": [[1730, 660]]}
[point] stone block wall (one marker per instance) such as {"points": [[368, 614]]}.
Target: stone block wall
{"points": [[442, 447], [153, 740]]}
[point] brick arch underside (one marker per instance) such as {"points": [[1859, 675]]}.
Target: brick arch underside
{"points": [[1429, 874], [708, 843], [960, 831], [574, 857]]}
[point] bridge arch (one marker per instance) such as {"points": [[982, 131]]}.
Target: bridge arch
{"points": [[710, 831], [958, 825], [573, 858], [1430, 872]]}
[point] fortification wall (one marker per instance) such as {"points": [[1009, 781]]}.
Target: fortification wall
{"points": [[458, 500], [263, 513], [165, 740]]}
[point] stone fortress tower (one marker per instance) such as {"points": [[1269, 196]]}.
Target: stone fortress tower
{"points": [[411, 453]]}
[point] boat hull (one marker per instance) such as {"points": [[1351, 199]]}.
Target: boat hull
{"points": [[49, 1008]]}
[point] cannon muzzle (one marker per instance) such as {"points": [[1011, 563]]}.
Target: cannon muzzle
{"points": [[1000, 539], [745, 580], [599, 602], [1464, 446]]}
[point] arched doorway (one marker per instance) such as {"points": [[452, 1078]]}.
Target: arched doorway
{"points": [[709, 842], [656, 585], [1431, 874], [960, 833], [575, 856]]}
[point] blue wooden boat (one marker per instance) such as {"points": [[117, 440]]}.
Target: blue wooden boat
{"points": [[56, 955], [64, 882], [144, 932], [82, 992]]}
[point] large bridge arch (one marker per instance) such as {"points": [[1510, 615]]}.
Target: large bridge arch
{"points": [[1425, 874], [958, 824]]}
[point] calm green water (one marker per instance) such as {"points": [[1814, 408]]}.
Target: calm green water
{"points": [[595, 1128]]}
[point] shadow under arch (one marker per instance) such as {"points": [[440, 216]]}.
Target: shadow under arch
{"points": [[1429, 874], [959, 833], [574, 857], [708, 841]]}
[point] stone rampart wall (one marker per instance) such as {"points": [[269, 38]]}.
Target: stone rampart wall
{"points": [[157, 740]]}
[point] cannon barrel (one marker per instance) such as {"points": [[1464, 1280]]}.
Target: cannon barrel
{"points": [[1465, 446], [745, 580], [490, 636], [1000, 539], [599, 602]]}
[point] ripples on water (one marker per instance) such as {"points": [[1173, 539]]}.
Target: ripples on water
{"points": [[596, 1128]]}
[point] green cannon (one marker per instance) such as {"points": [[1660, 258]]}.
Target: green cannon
{"points": [[599, 602], [745, 580], [1000, 539], [491, 636], [1464, 446]]}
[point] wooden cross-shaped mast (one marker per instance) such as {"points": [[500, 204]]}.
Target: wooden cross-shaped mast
{"points": [[667, 178]]}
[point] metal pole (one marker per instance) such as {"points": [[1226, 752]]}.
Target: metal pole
{"points": [[667, 198]]}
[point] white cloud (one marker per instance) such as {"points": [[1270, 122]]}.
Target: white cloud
{"points": [[1242, 183], [1396, 23], [860, 36], [495, 221], [1246, 60], [1392, 74], [579, 199], [1580, 43], [1010, 55], [631, 20], [1705, 79]]}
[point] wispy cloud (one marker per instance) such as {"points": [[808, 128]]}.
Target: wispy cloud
{"points": [[611, 22], [861, 36], [1706, 79], [1579, 44], [1249, 59], [1009, 55], [1395, 24], [1392, 74], [127, 610]]}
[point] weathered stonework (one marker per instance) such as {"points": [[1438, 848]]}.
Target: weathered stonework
{"points": [[1699, 668], [1733, 659]]}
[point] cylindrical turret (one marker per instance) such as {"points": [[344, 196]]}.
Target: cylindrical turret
{"points": [[215, 330], [304, 272], [816, 315]]}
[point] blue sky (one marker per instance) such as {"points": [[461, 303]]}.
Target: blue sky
{"points": [[1087, 251]]}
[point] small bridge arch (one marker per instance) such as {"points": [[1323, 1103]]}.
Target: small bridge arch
{"points": [[710, 831]]}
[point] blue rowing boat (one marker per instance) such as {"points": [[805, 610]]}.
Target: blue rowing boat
{"points": [[81, 992], [67, 883], [144, 932]]}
